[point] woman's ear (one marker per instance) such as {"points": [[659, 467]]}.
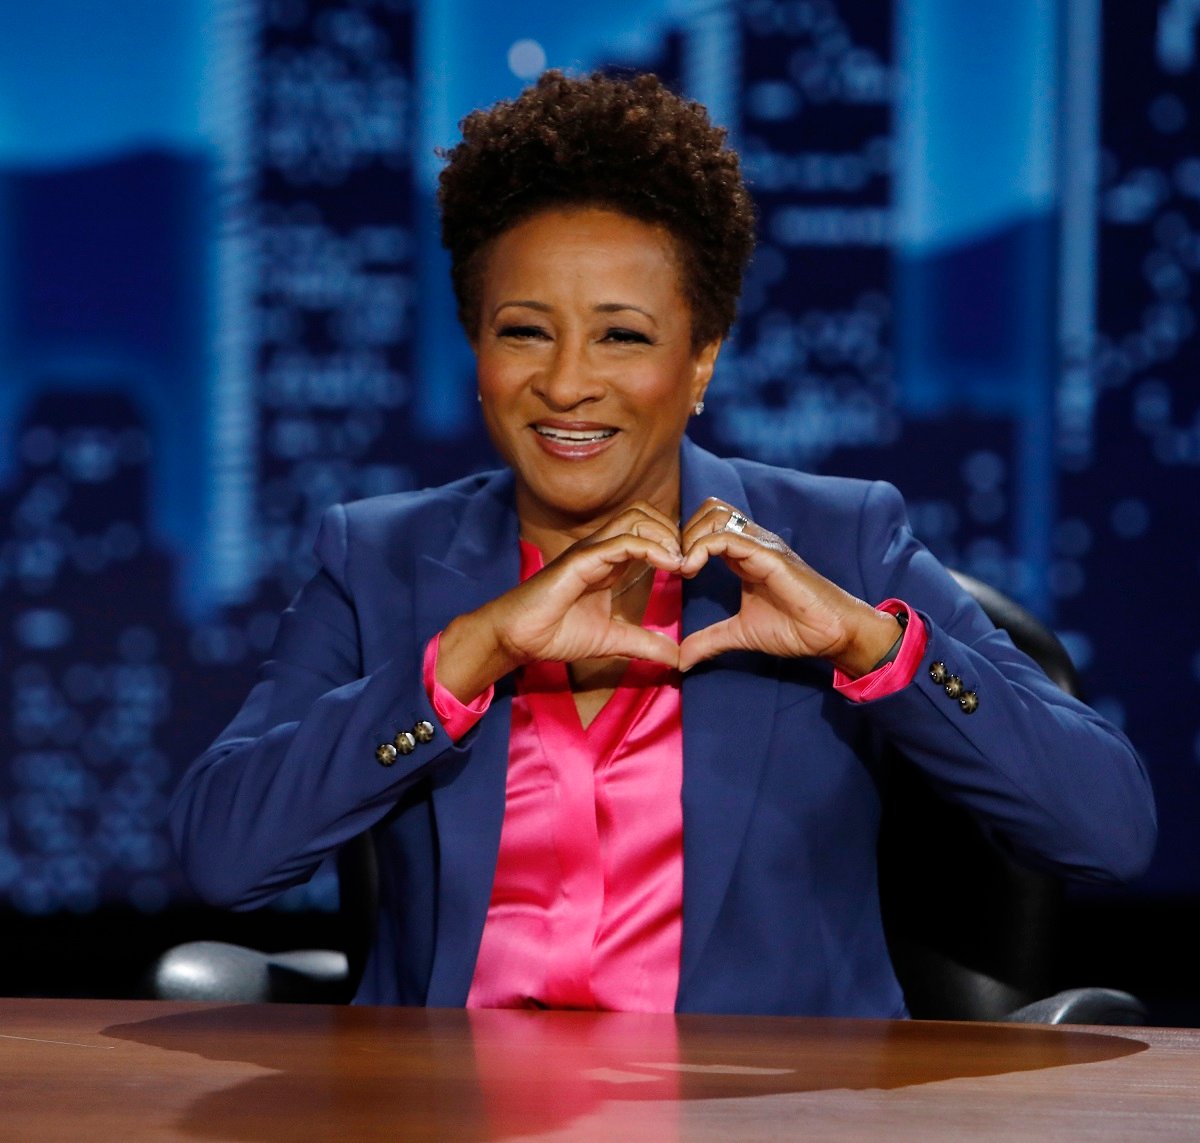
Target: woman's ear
{"points": [[704, 363]]}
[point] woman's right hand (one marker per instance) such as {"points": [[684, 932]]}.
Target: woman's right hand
{"points": [[564, 613]]}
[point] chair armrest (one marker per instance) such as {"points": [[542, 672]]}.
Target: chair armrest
{"points": [[1083, 1006], [213, 970]]}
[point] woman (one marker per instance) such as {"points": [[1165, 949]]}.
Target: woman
{"points": [[615, 714]]}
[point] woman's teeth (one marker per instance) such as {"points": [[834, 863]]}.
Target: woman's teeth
{"points": [[574, 436]]}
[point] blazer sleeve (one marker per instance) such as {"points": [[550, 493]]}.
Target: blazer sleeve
{"points": [[1059, 784], [294, 775]]}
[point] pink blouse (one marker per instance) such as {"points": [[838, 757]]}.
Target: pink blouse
{"points": [[585, 911]]}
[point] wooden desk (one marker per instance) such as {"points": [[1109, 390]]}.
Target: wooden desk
{"points": [[130, 1070]]}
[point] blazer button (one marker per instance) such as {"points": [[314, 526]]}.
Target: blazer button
{"points": [[385, 754], [405, 742], [938, 672], [423, 731], [969, 701], [954, 686]]}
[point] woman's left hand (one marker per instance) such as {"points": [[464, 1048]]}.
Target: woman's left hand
{"points": [[787, 608]]}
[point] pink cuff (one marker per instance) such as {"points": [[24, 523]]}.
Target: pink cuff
{"points": [[893, 676], [456, 718]]}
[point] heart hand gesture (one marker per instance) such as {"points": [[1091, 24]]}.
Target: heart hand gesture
{"points": [[566, 611]]}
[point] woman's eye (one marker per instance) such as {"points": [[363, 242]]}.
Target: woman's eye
{"points": [[522, 332], [627, 337]]}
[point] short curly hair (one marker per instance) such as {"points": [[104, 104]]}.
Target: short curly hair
{"points": [[629, 145]]}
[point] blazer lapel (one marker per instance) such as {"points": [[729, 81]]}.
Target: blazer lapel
{"points": [[728, 717], [482, 562]]}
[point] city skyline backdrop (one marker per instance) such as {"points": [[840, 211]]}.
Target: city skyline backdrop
{"points": [[223, 307]]}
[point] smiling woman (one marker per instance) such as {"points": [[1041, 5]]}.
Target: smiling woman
{"points": [[586, 369], [496, 677]]}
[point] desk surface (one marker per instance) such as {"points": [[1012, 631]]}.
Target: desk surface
{"points": [[127, 1070]]}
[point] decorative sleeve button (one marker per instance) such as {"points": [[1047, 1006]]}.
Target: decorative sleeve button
{"points": [[954, 687], [406, 742], [385, 754]]}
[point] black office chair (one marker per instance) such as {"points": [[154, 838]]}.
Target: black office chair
{"points": [[974, 934], [971, 932]]}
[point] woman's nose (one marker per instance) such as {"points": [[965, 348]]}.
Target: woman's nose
{"points": [[569, 378]]}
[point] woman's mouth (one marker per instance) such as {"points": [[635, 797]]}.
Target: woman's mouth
{"points": [[573, 436], [575, 443]]}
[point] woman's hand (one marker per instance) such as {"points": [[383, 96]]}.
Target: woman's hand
{"points": [[787, 608], [565, 612]]}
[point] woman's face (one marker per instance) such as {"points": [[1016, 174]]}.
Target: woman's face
{"points": [[586, 369]]}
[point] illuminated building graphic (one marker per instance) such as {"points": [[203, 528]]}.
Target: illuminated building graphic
{"points": [[224, 307]]}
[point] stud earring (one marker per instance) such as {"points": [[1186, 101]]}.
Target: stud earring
{"points": [[698, 408]]}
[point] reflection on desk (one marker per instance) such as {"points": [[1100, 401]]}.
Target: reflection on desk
{"points": [[140, 1069]]}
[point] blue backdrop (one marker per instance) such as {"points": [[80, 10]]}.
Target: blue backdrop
{"points": [[223, 307]]}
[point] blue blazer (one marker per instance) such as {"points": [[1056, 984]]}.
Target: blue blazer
{"points": [[781, 774]]}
